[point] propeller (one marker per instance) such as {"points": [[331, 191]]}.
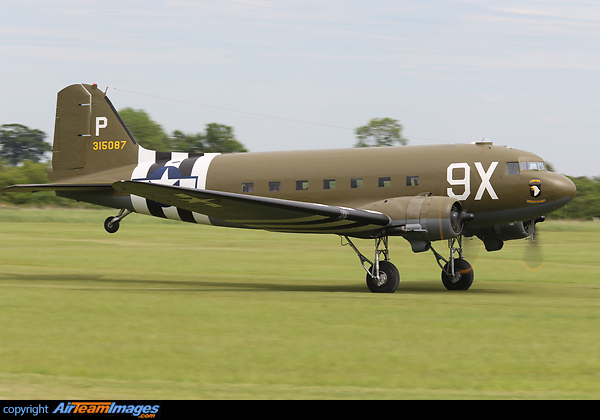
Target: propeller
{"points": [[472, 249], [458, 217], [534, 257], [493, 239]]}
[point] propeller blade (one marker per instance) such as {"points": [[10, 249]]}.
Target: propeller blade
{"points": [[534, 255]]}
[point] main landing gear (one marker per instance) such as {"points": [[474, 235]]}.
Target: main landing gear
{"points": [[383, 276], [457, 273], [111, 224]]}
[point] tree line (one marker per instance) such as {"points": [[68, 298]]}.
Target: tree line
{"points": [[24, 156], [218, 138]]}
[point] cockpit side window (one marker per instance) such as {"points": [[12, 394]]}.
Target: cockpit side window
{"points": [[512, 168]]}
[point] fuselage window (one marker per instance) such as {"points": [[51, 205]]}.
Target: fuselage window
{"points": [[301, 185], [385, 181], [274, 186], [412, 181], [328, 184], [512, 168], [247, 187], [356, 183]]}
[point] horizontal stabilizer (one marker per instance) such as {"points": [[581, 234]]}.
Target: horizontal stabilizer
{"points": [[261, 212], [55, 187]]}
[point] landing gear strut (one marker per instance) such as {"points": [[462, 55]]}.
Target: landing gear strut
{"points": [[111, 224], [457, 273], [382, 276]]}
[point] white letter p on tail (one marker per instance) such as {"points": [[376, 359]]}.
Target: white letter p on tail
{"points": [[101, 122]]}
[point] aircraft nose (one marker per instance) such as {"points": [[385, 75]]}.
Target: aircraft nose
{"points": [[564, 187]]}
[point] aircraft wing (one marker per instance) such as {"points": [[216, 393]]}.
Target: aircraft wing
{"points": [[242, 210]]}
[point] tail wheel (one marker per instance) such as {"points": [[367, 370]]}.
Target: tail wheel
{"points": [[461, 279], [388, 281], [110, 226]]}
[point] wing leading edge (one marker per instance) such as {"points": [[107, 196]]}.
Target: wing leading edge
{"points": [[262, 212]]}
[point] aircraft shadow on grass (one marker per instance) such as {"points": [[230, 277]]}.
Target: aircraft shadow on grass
{"points": [[102, 282]]}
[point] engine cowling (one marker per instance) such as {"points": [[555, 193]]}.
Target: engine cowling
{"points": [[422, 219], [493, 237]]}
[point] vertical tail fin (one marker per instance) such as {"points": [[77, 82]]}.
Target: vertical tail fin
{"points": [[91, 142]]}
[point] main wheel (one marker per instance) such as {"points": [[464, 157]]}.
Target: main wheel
{"points": [[463, 275], [111, 227], [389, 278]]}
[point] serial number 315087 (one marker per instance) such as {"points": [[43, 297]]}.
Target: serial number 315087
{"points": [[108, 145]]}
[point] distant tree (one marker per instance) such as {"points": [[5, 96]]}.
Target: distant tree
{"points": [[586, 203], [145, 131], [380, 132], [19, 143], [191, 143], [219, 138]]}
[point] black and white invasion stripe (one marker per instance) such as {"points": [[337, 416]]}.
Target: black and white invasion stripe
{"points": [[193, 168]]}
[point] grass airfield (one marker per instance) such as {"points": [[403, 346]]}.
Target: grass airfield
{"points": [[167, 310]]}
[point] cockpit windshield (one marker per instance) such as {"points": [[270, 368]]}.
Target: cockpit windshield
{"points": [[514, 168], [533, 166]]}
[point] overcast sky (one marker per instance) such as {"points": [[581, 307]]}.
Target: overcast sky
{"points": [[293, 74]]}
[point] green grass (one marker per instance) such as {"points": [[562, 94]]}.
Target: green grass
{"points": [[165, 310]]}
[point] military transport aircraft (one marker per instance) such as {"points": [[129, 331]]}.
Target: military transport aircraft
{"points": [[422, 193]]}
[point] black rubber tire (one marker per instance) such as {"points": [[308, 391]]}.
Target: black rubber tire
{"points": [[463, 278], [389, 276], [111, 228]]}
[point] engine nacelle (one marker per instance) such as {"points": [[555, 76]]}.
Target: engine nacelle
{"points": [[493, 237], [422, 219]]}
